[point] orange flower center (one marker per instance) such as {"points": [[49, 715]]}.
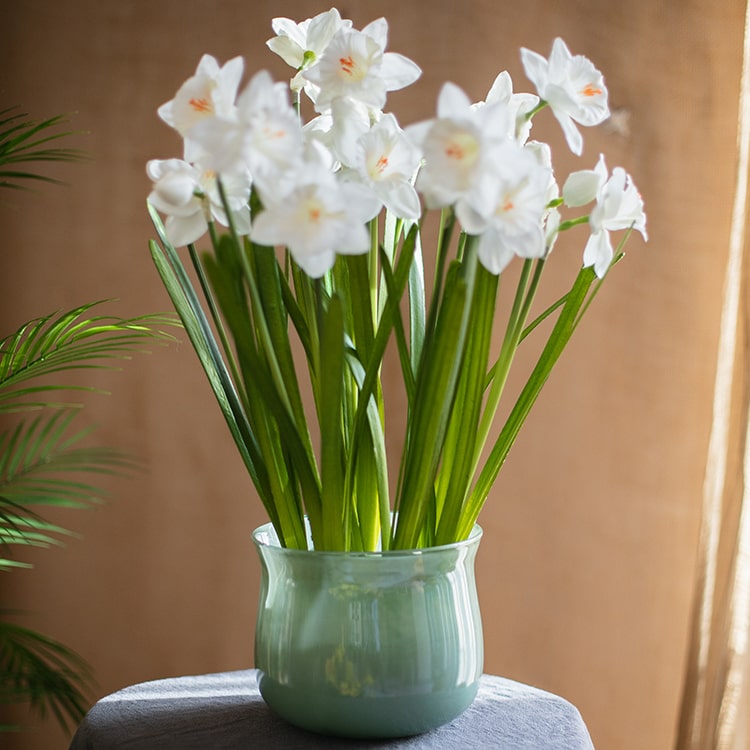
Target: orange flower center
{"points": [[347, 64], [201, 105], [591, 90]]}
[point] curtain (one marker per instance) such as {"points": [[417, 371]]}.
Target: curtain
{"points": [[716, 695]]}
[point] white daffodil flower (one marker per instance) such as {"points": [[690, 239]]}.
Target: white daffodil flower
{"points": [[265, 135], [349, 121], [386, 163], [516, 224], [520, 105], [552, 218], [572, 87], [356, 65], [189, 197], [211, 92], [319, 217], [460, 152], [583, 186], [618, 206], [296, 43], [301, 44]]}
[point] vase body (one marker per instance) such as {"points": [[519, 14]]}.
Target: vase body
{"points": [[368, 645]]}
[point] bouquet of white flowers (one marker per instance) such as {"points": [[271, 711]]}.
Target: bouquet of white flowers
{"points": [[321, 250]]}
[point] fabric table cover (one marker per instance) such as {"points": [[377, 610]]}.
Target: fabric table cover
{"points": [[226, 712]]}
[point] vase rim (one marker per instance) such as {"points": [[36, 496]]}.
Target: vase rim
{"points": [[271, 540]]}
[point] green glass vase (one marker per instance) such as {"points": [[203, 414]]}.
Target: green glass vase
{"points": [[368, 645]]}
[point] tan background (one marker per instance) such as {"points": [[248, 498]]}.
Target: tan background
{"points": [[586, 567]]}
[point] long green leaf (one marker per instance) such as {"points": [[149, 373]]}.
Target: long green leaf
{"points": [[176, 283], [386, 324], [435, 388], [265, 408], [457, 460], [337, 509], [558, 340]]}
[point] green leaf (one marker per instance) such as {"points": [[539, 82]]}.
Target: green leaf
{"points": [[408, 368], [24, 141], [182, 294], [435, 390], [457, 462], [559, 337], [372, 525], [71, 340], [35, 459], [39, 670], [265, 409], [337, 509], [274, 311]]}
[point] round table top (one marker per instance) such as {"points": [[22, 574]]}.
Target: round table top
{"points": [[225, 711]]}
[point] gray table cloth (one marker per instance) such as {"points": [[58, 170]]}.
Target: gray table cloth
{"points": [[226, 712]]}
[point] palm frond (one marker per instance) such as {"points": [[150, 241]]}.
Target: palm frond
{"points": [[40, 464], [70, 340], [27, 140], [42, 672]]}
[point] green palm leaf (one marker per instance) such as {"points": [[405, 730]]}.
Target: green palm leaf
{"points": [[43, 461], [70, 340], [40, 464], [43, 672], [44, 457], [23, 141]]}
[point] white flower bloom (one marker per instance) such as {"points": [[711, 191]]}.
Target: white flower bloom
{"points": [[319, 217], [582, 187], [516, 224], [618, 206], [209, 93], [551, 222], [386, 163], [301, 44], [350, 120], [460, 152], [573, 88], [265, 136], [296, 43], [543, 154], [189, 197], [356, 65], [520, 105]]}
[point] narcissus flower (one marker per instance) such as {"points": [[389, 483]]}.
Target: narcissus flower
{"points": [[572, 87], [356, 65], [386, 163], [210, 93], [320, 217], [618, 206], [317, 188], [460, 149], [301, 44], [519, 105], [190, 198], [265, 135], [515, 225]]}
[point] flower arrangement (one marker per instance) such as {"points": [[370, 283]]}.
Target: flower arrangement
{"points": [[320, 253]]}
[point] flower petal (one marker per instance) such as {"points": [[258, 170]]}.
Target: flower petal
{"points": [[398, 71]]}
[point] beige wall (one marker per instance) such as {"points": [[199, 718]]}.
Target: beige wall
{"points": [[586, 566]]}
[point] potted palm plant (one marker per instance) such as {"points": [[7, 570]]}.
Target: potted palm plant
{"points": [[45, 452]]}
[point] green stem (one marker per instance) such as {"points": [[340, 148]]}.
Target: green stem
{"points": [[525, 292]]}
